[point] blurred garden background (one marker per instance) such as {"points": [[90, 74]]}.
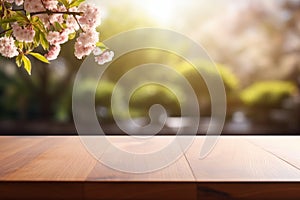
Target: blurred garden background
{"points": [[255, 45]]}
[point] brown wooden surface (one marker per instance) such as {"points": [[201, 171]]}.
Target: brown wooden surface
{"points": [[236, 159], [178, 171], [285, 148], [238, 167]]}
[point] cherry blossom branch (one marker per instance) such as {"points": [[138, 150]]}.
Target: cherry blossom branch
{"points": [[18, 9], [3, 32], [49, 12], [29, 33], [78, 23]]}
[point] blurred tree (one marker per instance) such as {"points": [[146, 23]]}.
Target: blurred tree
{"points": [[208, 69], [146, 96], [260, 40], [268, 94], [262, 97]]}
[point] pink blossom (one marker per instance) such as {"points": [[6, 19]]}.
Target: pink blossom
{"points": [[53, 52], [91, 16], [33, 6], [89, 37], [23, 34], [56, 38], [40, 5], [105, 57], [82, 50], [72, 23], [8, 47], [86, 43], [56, 18], [45, 20], [50, 4], [97, 51]]}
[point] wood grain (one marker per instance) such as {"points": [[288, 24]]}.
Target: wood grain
{"points": [[238, 168], [9, 148], [285, 148], [175, 171], [63, 160], [235, 159], [28, 151]]}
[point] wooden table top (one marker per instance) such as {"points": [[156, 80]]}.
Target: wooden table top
{"points": [[28, 161]]}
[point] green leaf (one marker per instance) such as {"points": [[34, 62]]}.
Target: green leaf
{"points": [[58, 26], [72, 36], [65, 3], [43, 41], [34, 19], [9, 33], [76, 3], [101, 46], [20, 45], [12, 19], [36, 38], [65, 16], [39, 57], [39, 25], [19, 60], [21, 17], [64, 25], [27, 64], [5, 26]]}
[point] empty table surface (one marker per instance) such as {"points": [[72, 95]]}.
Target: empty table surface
{"points": [[61, 167]]}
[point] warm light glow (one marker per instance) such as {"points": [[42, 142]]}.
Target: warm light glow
{"points": [[162, 11]]}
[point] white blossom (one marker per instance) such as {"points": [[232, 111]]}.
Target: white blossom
{"points": [[105, 57], [7, 47]]}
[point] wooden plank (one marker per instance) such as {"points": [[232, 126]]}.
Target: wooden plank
{"points": [[67, 160], [235, 159], [140, 190], [267, 190], [286, 148], [11, 145], [178, 170], [25, 155], [61, 168]]}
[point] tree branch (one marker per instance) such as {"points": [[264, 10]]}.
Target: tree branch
{"points": [[3, 32], [49, 12]]}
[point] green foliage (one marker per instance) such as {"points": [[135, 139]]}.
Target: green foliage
{"points": [[230, 80], [104, 93], [18, 100], [267, 94], [127, 62], [211, 70], [146, 96]]}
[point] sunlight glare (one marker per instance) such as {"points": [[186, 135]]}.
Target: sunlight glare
{"points": [[161, 11]]}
